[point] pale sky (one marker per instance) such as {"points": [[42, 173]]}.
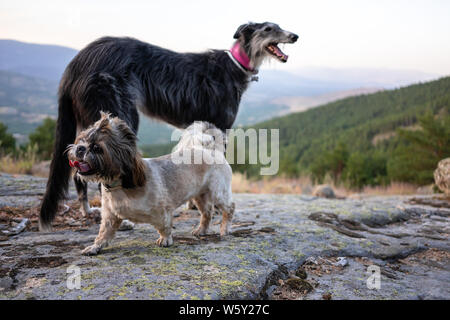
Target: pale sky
{"points": [[395, 34]]}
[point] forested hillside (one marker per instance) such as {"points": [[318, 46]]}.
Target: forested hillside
{"points": [[25, 101], [364, 131]]}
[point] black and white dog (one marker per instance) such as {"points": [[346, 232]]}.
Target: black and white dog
{"points": [[124, 75]]}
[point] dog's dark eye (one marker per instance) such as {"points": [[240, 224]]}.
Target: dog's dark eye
{"points": [[267, 29], [96, 148]]}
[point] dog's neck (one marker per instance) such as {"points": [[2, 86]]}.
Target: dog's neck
{"points": [[112, 185], [241, 59]]}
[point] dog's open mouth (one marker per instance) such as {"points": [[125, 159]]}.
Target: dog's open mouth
{"points": [[83, 167], [276, 52]]}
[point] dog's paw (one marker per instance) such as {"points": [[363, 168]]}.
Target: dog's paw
{"points": [[164, 241], [200, 231], [224, 231], [94, 211], [126, 225], [91, 250]]}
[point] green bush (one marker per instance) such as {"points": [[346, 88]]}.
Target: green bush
{"points": [[363, 169], [44, 138], [7, 141]]}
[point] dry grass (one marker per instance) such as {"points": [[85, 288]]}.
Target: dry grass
{"points": [[26, 162], [14, 166], [241, 184], [304, 185], [301, 185], [22, 163], [395, 188]]}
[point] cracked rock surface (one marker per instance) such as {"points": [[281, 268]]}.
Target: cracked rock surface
{"points": [[281, 247]]}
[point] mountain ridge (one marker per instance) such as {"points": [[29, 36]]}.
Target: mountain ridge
{"points": [[44, 64]]}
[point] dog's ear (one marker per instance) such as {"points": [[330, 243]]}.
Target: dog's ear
{"points": [[133, 175], [124, 131], [104, 115], [133, 168], [104, 122], [244, 29]]}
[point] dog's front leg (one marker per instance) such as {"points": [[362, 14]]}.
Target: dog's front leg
{"points": [[110, 223], [81, 187], [165, 230]]}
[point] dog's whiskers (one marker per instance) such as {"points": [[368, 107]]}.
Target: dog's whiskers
{"points": [[69, 147]]}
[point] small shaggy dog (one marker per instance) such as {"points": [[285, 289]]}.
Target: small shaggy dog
{"points": [[197, 169], [124, 75]]}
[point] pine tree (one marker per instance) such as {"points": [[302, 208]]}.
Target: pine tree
{"points": [[7, 141], [416, 161]]}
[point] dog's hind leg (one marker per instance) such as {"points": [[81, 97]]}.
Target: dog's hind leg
{"points": [[81, 187], [110, 223], [227, 217], [205, 208], [190, 205]]}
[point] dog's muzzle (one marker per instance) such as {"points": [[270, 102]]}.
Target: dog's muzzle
{"points": [[275, 51], [83, 167]]}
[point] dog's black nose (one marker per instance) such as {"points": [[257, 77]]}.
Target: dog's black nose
{"points": [[293, 37], [80, 151]]}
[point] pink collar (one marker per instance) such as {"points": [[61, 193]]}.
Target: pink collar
{"points": [[239, 54]]}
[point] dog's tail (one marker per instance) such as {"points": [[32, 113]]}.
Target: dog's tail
{"points": [[201, 134], [58, 179]]}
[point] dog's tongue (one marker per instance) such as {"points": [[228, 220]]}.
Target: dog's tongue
{"points": [[277, 51], [82, 166]]}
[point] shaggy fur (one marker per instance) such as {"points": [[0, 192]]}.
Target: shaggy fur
{"points": [[122, 75], [107, 153]]}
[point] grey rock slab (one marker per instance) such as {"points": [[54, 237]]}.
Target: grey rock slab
{"points": [[27, 191], [272, 235]]}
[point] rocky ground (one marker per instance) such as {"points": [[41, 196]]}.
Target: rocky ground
{"points": [[282, 247]]}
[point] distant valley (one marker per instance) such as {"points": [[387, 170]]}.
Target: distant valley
{"points": [[303, 103]]}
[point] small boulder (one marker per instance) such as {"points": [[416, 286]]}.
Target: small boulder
{"points": [[299, 285], [442, 176], [327, 296], [324, 191], [301, 273]]}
